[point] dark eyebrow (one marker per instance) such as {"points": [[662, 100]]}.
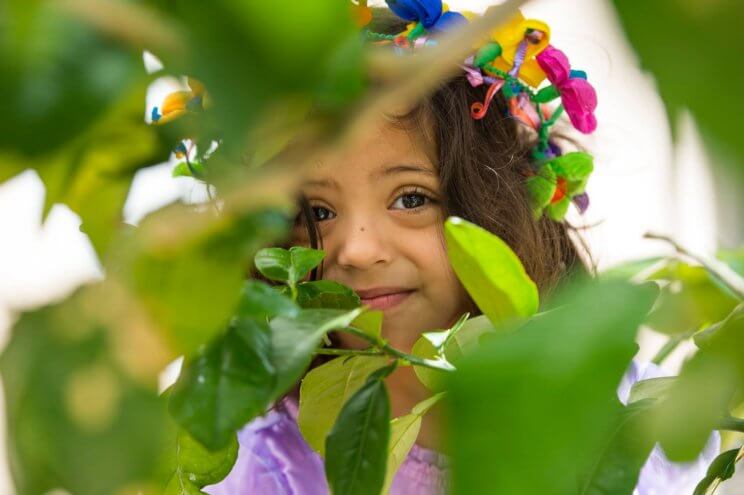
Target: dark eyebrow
{"points": [[399, 169]]}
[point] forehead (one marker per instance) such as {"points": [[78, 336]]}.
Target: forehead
{"points": [[386, 145]]}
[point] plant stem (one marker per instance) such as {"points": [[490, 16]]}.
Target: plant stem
{"points": [[415, 360], [731, 423], [720, 270], [349, 352]]}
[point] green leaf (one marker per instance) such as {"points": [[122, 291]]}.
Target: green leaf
{"points": [[191, 291], [303, 261], [274, 264], [403, 434], [57, 77], [199, 466], [259, 300], [461, 338], [293, 341], [692, 299], [287, 266], [651, 388], [326, 389], [707, 51], [723, 468], [370, 322], [356, 448], [619, 466], [490, 271], [326, 294], [702, 393], [504, 393], [226, 385]]}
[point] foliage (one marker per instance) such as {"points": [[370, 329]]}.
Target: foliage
{"points": [[81, 375]]}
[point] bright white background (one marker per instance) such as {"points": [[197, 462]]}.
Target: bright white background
{"points": [[641, 182]]}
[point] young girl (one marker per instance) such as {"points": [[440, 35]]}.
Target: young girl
{"points": [[377, 209]]}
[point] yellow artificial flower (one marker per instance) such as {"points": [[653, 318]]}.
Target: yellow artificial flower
{"points": [[510, 35]]}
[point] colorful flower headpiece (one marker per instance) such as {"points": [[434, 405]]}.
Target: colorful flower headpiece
{"points": [[515, 61]]}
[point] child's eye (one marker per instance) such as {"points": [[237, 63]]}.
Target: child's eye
{"points": [[321, 213], [410, 201]]}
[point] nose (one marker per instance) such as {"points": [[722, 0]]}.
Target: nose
{"points": [[363, 245]]}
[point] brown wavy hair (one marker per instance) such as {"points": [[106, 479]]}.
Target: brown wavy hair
{"points": [[481, 164]]}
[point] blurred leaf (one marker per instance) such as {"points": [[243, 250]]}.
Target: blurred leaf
{"points": [[691, 300], [293, 341], [197, 467], [703, 64], [722, 468], [287, 49], [226, 385], [630, 269], [733, 258], [574, 356], [651, 388], [490, 271], [192, 292], [326, 294], [76, 421], [57, 76], [356, 448], [326, 389], [259, 300], [618, 467], [403, 434], [702, 393]]}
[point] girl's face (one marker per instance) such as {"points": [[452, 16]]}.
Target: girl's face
{"points": [[377, 207]]}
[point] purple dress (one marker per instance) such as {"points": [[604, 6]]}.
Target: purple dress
{"points": [[274, 459]]}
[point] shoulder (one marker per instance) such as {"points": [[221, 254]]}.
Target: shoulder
{"points": [[273, 459]]}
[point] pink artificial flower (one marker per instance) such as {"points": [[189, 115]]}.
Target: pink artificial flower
{"points": [[578, 96]]}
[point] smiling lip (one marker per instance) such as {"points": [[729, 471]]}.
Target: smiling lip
{"points": [[383, 297]]}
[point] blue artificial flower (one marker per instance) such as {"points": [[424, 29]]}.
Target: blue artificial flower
{"points": [[427, 12]]}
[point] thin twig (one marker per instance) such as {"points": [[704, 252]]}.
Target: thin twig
{"points": [[720, 270], [391, 351], [349, 352]]}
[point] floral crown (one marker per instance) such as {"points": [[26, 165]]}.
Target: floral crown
{"points": [[515, 60]]}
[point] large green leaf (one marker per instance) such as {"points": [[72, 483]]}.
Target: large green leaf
{"points": [[556, 374], [706, 34], [356, 448], [226, 385], [490, 271], [76, 420], [293, 341], [618, 467], [326, 389]]}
